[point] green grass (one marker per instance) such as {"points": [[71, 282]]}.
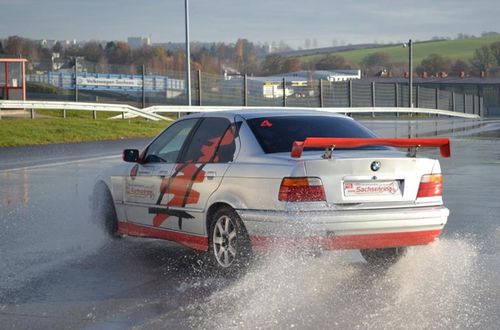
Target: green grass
{"points": [[462, 49], [22, 132], [75, 114]]}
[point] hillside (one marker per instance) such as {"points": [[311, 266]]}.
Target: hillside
{"points": [[455, 49]]}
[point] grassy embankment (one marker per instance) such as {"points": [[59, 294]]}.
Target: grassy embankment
{"points": [[79, 126], [462, 49]]}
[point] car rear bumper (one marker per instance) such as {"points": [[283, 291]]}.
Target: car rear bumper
{"points": [[366, 229]]}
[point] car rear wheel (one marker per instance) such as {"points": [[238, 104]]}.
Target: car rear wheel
{"points": [[229, 244], [383, 257], [103, 211]]}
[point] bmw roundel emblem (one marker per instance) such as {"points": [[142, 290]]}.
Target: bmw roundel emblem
{"points": [[375, 166]]}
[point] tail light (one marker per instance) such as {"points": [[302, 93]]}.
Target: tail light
{"points": [[431, 185], [301, 190]]}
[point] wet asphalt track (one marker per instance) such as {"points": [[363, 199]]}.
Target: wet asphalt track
{"points": [[58, 271]]}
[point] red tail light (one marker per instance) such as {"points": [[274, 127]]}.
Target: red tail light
{"points": [[301, 190], [431, 185]]}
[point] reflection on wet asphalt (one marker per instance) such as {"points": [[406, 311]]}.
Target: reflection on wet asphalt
{"points": [[57, 270]]}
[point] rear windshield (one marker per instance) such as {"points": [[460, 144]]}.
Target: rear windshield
{"points": [[277, 134]]}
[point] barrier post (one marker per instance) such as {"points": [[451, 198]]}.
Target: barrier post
{"points": [[245, 90], [199, 87], [284, 92], [321, 93]]}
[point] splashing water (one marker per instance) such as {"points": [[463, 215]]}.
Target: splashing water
{"points": [[435, 286]]}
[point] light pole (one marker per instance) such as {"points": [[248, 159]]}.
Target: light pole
{"points": [[410, 73], [188, 54]]}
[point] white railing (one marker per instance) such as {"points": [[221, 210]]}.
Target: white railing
{"points": [[154, 112]]}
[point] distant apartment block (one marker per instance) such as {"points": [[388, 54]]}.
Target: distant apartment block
{"points": [[49, 43], [138, 42]]}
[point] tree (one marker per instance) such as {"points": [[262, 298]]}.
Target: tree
{"points": [[483, 59], [57, 48], [495, 51], [272, 64], [14, 45], [291, 65], [245, 56], [120, 54], [376, 62], [92, 51], [459, 67], [1, 48], [330, 62], [435, 63]]}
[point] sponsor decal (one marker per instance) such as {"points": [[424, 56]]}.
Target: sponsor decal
{"points": [[139, 191], [389, 188]]}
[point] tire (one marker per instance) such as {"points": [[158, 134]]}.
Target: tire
{"points": [[383, 257], [103, 211], [228, 242]]}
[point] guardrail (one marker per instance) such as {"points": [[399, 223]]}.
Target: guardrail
{"points": [[79, 106], [154, 112]]}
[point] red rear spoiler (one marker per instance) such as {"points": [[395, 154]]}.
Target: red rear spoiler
{"points": [[314, 142]]}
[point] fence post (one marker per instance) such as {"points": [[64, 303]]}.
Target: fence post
{"points": [[284, 92], [143, 86], [373, 98], [76, 79], [350, 93], [465, 102], [321, 93], [396, 97], [437, 101], [473, 104], [453, 101], [32, 113], [94, 115], [245, 90], [199, 87], [417, 97]]}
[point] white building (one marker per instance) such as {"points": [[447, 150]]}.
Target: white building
{"points": [[138, 42], [330, 75]]}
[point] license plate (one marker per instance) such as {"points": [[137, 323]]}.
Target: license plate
{"points": [[375, 188]]}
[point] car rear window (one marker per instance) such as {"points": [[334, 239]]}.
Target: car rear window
{"points": [[277, 134]]}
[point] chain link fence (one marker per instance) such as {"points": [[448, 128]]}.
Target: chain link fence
{"points": [[142, 87]]}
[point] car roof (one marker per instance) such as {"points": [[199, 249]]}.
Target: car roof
{"points": [[257, 112]]}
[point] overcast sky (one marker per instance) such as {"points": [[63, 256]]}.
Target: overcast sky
{"points": [[292, 21]]}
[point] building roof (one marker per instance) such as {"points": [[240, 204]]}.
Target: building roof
{"points": [[12, 60], [436, 80]]}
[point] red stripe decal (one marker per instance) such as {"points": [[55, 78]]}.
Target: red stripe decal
{"points": [[191, 241], [369, 241]]}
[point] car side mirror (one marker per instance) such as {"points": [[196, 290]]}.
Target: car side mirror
{"points": [[131, 155]]}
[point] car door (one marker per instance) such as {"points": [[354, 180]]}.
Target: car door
{"points": [[144, 191], [198, 174]]}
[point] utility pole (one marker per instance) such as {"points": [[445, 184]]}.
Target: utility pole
{"points": [[410, 73]]}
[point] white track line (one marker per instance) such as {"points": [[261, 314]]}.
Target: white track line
{"points": [[35, 167]]}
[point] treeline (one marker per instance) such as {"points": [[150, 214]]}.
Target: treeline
{"points": [[485, 61], [242, 56]]}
